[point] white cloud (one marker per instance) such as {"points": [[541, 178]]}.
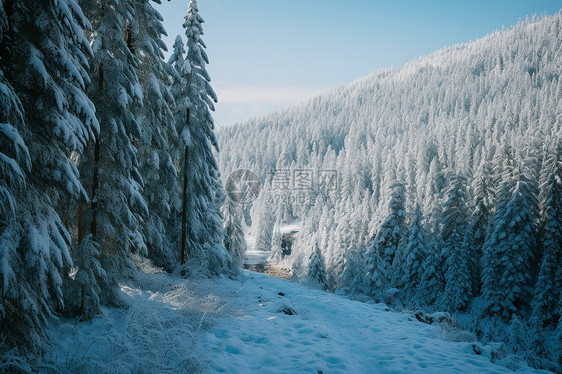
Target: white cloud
{"points": [[230, 113], [239, 103], [271, 95]]}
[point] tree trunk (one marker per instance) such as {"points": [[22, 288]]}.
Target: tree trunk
{"points": [[184, 209], [95, 184], [95, 178], [80, 222], [184, 212]]}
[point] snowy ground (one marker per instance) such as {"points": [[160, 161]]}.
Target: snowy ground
{"points": [[224, 326], [329, 334], [157, 333]]}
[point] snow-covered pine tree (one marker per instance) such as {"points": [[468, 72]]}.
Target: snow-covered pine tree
{"points": [[276, 241], [517, 335], [432, 282], [201, 221], [15, 164], [509, 250], [434, 185], [371, 279], [336, 266], [392, 235], [109, 168], [83, 293], [234, 240], [354, 271], [346, 237], [48, 74], [548, 288], [484, 197], [416, 255], [456, 246], [159, 140], [343, 241], [43, 57], [180, 69], [14, 155], [263, 224], [316, 267]]}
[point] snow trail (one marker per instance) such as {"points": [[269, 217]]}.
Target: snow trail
{"points": [[329, 334]]}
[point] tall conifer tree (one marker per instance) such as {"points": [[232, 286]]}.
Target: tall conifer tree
{"points": [[43, 57]]}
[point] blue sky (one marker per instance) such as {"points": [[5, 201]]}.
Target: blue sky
{"points": [[267, 54]]}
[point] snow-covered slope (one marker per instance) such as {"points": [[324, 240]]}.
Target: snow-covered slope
{"points": [[330, 334], [174, 325]]}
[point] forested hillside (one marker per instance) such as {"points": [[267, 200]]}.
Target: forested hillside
{"points": [[105, 157], [449, 186]]}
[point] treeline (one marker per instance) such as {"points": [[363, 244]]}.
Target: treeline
{"points": [[449, 193], [105, 152]]}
